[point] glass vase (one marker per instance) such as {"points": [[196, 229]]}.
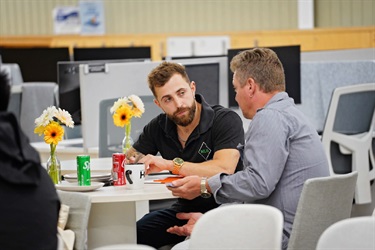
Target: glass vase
{"points": [[54, 166], [127, 142]]}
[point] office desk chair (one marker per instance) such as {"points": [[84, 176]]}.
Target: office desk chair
{"points": [[348, 134], [323, 201]]}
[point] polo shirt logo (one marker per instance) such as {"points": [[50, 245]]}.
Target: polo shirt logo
{"points": [[204, 151]]}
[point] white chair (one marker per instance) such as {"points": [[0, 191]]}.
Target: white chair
{"points": [[240, 226], [348, 134], [125, 247], [79, 212], [323, 202], [353, 233]]}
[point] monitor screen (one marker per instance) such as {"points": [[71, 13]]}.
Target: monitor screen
{"points": [[206, 77], [36, 64], [68, 81], [290, 57], [111, 53]]}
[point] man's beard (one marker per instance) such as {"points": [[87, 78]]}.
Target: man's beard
{"points": [[185, 120]]}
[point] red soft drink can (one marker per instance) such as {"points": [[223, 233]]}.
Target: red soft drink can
{"points": [[118, 169]]}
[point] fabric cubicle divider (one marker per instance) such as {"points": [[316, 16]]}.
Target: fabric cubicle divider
{"points": [[319, 79]]}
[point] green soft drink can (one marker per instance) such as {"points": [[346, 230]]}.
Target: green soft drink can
{"points": [[83, 170]]}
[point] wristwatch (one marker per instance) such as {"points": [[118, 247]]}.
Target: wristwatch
{"points": [[204, 191], [177, 162]]}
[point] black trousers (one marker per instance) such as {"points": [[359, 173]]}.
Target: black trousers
{"points": [[151, 228]]}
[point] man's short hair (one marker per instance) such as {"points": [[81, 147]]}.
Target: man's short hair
{"points": [[261, 64], [160, 75]]}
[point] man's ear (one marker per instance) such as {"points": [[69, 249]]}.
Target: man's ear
{"points": [[193, 87], [250, 84]]}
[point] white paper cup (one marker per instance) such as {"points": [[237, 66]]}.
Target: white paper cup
{"points": [[135, 176]]}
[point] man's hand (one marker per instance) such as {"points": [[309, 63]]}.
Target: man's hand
{"points": [[188, 187], [186, 229], [155, 164]]}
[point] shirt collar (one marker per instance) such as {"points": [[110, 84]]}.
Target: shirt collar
{"points": [[276, 98]]}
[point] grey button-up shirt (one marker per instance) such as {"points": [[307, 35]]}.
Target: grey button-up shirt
{"points": [[282, 150]]}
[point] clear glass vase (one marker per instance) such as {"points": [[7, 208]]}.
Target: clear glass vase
{"points": [[127, 142], [54, 166]]}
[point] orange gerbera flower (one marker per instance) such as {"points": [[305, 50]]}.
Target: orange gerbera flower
{"points": [[53, 133], [122, 116]]}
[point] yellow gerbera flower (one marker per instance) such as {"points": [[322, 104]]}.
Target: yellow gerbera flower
{"points": [[122, 116], [39, 130], [53, 133]]}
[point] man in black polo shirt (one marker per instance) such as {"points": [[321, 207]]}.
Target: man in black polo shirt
{"points": [[192, 137]]}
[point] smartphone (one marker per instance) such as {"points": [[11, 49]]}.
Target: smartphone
{"points": [[169, 184]]}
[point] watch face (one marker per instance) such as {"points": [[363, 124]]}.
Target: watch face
{"points": [[206, 195], [178, 161]]}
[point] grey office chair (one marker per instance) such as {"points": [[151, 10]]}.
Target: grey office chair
{"points": [[79, 212], [323, 201], [110, 136], [14, 73], [15, 80], [348, 134], [36, 97], [352, 233]]}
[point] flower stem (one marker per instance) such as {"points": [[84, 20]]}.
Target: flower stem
{"points": [[53, 165]]}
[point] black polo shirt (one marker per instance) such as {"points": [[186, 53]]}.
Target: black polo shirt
{"points": [[219, 128]]}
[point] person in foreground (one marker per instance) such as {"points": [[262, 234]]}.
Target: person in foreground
{"points": [[29, 205], [192, 137], [281, 152]]}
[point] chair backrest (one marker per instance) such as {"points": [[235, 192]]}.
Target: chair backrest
{"points": [[14, 72], [323, 201], [110, 136], [348, 134], [352, 233], [36, 97], [79, 212], [351, 111], [240, 226]]}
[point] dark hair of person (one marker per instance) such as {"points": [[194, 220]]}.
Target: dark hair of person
{"points": [[160, 75]]}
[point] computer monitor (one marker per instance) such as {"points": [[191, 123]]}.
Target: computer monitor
{"points": [[68, 81], [206, 77], [36, 64], [290, 57], [111, 53]]}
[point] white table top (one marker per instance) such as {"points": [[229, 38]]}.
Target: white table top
{"points": [[151, 191], [121, 194]]}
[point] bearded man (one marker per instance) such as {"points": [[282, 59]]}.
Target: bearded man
{"points": [[192, 138]]}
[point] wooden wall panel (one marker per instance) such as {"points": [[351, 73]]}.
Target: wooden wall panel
{"points": [[34, 17], [344, 13]]}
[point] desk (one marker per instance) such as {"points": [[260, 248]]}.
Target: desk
{"points": [[115, 209]]}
